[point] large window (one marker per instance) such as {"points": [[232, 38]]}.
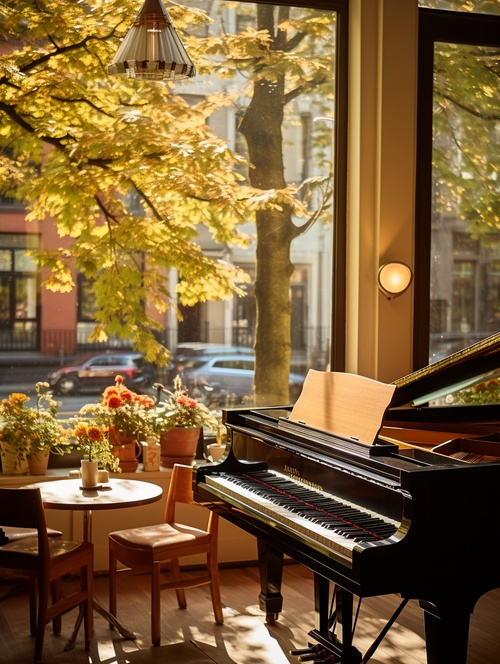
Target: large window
{"points": [[458, 213]]}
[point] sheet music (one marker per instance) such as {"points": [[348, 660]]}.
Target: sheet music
{"points": [[345, 404]]}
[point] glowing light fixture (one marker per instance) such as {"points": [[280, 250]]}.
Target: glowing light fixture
{"points": [[152, 49], [394, 278]]}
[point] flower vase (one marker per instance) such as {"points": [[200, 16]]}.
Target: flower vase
{"points": [[38, 462], [215, 451], [11, 464], [178, 445], [126, 448], [89, 472]]}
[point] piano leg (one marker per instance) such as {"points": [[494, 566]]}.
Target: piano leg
{"points": [[271, 574], [446, 632]]}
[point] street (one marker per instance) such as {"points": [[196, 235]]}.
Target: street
{"points": [[70, 404], [23, 378]]}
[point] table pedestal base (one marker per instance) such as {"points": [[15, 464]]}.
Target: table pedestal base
{"points": [[127, 634]]}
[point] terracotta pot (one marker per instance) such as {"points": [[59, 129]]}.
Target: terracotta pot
{"points": [[126, 448], [178, 445], [38, 462]]}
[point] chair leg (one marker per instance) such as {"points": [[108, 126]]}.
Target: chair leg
{"points": [[112, 584], [155, 604], [33, 594], [213, 571], [43, 602], [56, 597], [176, 573], [87, 583]]}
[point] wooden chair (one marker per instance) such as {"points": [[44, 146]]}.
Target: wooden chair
{"points": [[149, 548], [9, 534], [46, 560]]}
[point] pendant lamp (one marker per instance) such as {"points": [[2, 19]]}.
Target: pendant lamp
{"points": [[152, 49]]}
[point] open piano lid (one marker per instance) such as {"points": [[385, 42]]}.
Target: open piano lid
{"points": [[457, 371]]}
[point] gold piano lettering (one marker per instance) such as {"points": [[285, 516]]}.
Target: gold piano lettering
{"points": [[294, 473]]}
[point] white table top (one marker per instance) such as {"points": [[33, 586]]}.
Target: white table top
{"points": [[115, 494]]}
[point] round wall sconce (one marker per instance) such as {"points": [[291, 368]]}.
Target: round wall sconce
{"points": [[394, 278]]}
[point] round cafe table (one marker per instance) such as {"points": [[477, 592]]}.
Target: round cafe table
{"points": [[114, 494]]}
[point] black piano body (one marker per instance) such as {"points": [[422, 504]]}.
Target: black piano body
{"points": [[444, 513]]}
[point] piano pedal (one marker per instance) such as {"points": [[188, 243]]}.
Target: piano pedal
{"points": [[314, 655], [312, 650], [318, 654]]}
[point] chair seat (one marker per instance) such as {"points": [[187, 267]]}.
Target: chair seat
{"points": [[159, 536], [19, 533], [26, 549]]}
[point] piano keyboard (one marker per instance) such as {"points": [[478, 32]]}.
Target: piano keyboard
{"points": [[330, 522]]}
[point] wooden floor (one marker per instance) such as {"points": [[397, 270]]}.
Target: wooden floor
{"points": [[191, 637]]}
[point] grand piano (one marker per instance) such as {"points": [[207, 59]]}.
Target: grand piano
{"points": [[388, 515]]}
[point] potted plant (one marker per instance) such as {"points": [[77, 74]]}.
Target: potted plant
{"points": [[125, 416], [28, 434], [179, 419], [93, 441]]}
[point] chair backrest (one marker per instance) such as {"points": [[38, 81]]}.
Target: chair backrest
{"points": [[180, 490], [23, 508]]}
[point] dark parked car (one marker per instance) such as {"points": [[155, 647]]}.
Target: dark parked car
{"points": [[92, 373], [227, 375]]}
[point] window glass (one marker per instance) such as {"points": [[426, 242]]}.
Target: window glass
{"points": [[5, 260], [23, 262], [465, 238], [299, 154], [19, 240], [86, 299], [25, 298], [471, 6], [4, 301]]}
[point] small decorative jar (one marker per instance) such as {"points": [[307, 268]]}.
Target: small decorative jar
{"points": [[151, 453]]}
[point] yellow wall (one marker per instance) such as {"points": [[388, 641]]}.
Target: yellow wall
{"points": [[381, 177]]}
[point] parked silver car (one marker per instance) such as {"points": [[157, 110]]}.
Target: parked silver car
{"points": [[187, 352], [227, 376]]}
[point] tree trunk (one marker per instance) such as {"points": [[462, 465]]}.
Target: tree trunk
{"points": [[262, 127]]}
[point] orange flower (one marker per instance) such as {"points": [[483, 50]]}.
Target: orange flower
{"points": [[17, 398], [80, 430], [109, 391], [187, 402], [114, 401], [145, 401], [95, 434], [126, 395]]}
